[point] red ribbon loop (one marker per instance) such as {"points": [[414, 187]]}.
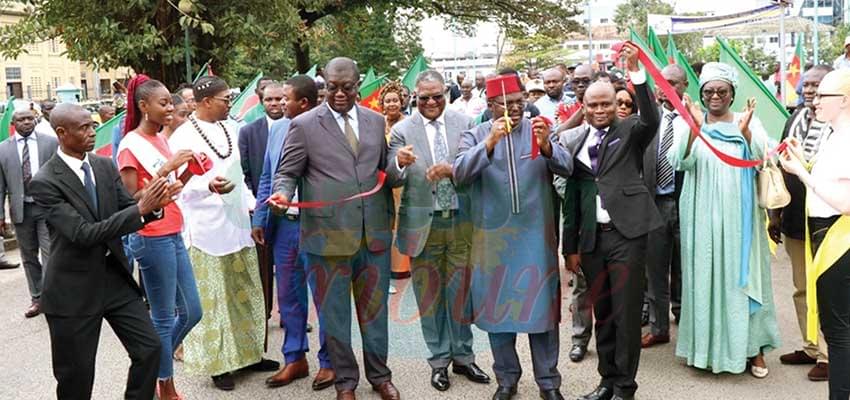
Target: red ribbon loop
{"points": [[277, 198]]}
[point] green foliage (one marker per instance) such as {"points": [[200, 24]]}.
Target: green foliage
{"points": [[632, 14], [240, 37], [535, 51]]}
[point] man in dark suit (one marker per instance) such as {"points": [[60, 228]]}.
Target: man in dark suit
{"points": [[338, 150], [88, 281], [21, 156], [613, 213], [663, 265], [253, 140]]}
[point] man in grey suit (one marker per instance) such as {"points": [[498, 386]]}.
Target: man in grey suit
{"points": [[335, 151], [20, 158], [434, 228], [663, 266]]}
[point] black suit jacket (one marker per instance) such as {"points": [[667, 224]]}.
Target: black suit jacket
{"points": [[253, 139], [618, 179], [81, 236], [650, 167]]}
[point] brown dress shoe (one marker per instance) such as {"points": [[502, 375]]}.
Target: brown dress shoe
{"points": [[324, 379], [34, 310], [387, 391], [289, 373], [345, 394], [798, 357], [819, 373], [650, 340]]}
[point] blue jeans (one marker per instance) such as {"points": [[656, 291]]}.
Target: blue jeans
{"points": [[171, 291]]}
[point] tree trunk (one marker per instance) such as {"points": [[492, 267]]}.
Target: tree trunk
{"points": [[302, 55]]}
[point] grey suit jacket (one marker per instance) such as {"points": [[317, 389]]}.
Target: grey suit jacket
{"points": [[11, 174], [417, 200], [316, 152]]}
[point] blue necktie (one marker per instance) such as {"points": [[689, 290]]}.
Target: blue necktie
{"points": [[89, 184], [593, 150]]}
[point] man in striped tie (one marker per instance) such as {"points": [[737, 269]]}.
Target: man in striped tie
{"points": [[663, 267]]}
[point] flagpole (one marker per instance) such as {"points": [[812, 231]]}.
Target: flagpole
{"points": [[782, 77], [815, 39], [589, 35]]}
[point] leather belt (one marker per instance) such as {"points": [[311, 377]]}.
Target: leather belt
{"points": [[292, 217], [607, 227], [446, 214]]}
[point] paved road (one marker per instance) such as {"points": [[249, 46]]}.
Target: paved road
{"points": [[25, 362]]}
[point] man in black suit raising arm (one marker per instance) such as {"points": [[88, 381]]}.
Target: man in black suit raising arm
{"points": [[89, 210], [608, 213]]}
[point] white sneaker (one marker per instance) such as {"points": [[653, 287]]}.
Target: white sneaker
{"points": [[759, 372], [393, 290]]}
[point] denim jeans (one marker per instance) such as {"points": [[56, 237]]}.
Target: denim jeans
{"points": [[171, 291]]}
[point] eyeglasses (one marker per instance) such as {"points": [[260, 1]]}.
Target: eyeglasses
{"points": [[510, 104], [819, 96], [709, 93], [437, 98], [628, 104], [226, 99], [579, 81], [348, 88]]}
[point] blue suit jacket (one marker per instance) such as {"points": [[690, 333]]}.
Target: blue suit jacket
{"points": [[274, 149], [252, 147]]}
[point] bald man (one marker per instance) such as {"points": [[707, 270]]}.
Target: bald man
{"points": [[608, 213], [89, 279], [332, 152], [572, 115]]}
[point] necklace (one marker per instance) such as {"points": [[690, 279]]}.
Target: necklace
{"points": [[209, 143]]}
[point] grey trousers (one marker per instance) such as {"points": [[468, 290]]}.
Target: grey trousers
{"points": [[664, 267], [33, 236], [544, 359], [440, 275], [582, 310]]}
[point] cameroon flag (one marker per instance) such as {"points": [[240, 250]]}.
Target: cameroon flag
{"points": [[793, 74], [6, 128], [370, 92], [247, 107]]}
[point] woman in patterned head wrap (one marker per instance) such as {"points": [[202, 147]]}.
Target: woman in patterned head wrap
{"points": [[728, 316]]}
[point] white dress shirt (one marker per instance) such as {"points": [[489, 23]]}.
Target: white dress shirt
{"points": [[32, 143], [471, 108], [352, 120], [216, 224], [602, 216], [76, 165]]}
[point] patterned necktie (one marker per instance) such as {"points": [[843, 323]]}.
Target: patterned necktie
{"points": [[664, 169], [445, 190], [593, 150], [26, 168], [350, 136], [89, 184]]}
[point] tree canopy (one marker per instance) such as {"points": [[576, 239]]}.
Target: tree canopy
{"points": [[240, 37]]}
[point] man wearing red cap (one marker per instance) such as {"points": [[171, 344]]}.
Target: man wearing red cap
{"points": [[515, 281]]}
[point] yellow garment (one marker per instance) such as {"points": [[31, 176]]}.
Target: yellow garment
{"points": [[834, 245]]}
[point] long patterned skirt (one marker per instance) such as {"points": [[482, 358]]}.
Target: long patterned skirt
{"points": [[231, 333]]}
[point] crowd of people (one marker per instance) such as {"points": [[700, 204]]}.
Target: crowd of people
{"points": [[479, 187]]}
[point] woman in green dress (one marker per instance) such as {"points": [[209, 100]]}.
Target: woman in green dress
{"points": [[728, 316]]}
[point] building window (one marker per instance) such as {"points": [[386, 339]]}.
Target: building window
{"points": [[774, 39], [32, 48], [13, 73], [54, 46], [603, 21]]}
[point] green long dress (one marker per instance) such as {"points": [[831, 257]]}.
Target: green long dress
{"points": [[725, 319]]}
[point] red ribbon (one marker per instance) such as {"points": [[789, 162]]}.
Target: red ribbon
{"points": [[535, 148], [671, 94], [200, 164], [278, 199]]}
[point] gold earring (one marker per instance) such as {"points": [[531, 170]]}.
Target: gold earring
{"points": [[146, 116]]}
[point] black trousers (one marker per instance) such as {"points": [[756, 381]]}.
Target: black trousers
{"points": [[834, 311], [74, 342], [615, 273]]}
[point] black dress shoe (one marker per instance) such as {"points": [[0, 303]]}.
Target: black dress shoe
{"points": [[578, 352], [623, 397], [600, 393], [7, 265], [504, 393], [263, 366], [440, 379], [224, 381], [471, 372], [551, 394]]}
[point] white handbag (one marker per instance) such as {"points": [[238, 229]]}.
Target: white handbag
{"points": [[772, 192]]}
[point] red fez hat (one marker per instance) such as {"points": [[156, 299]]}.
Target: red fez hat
{"points": [[501, 85]]}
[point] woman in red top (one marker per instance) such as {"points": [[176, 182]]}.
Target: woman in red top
{"points": [[158, 247]]}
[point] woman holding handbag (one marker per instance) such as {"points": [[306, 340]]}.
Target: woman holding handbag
{"points": [[728, 318], [828, 230]]}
